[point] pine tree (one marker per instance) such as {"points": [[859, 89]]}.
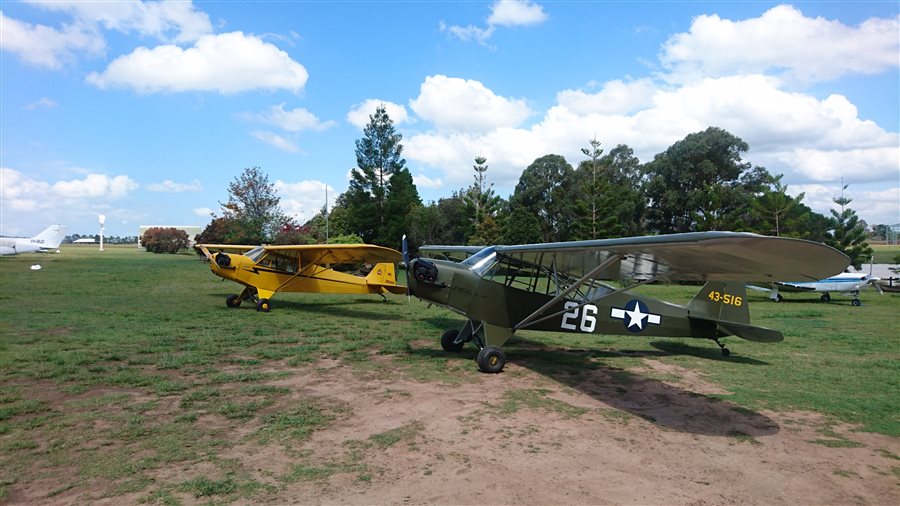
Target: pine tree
{"points": [[377, 159], [848, 234]]}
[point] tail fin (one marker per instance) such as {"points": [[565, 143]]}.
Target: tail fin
{"points": [[383, 276], [721, 301], [726, 304], [51, 237]]}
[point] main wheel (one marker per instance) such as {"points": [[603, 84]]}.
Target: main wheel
{"points": [[779, 298], [448, 341], [491, 359], [856, 302], [726, 352], [826, 297], [263, 306], [233, 301]]}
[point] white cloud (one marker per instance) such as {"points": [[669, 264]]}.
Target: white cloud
{"points": [[516, 13], [423, 181], [783, 41], [226, 63], [276, 141], [294, 120], [304, 199], [616, 97], [863, 165], [168, 21], [454, 104], [52, 48], [876, 206], [95, 186], [47, 47], [469, 32], [169, 186], [43, 103], [359, 114], [806, 138], [505, 13]]}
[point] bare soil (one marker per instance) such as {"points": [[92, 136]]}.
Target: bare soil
{"points": [[523, 438]]}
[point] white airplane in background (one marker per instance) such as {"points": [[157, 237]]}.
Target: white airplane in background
{"points": [[47, 240], [846, 282]]}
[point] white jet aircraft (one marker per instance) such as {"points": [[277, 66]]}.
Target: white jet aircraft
{"points": [[47, 240]]}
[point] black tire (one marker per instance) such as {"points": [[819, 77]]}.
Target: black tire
{"points": [[726, 352], [448, 341], [780, 298], [263, 306], [491, 359], [826, 297], [856, 302], [233, 301]]}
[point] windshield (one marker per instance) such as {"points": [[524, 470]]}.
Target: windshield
{"points": [[256, 253], [482, 261]]}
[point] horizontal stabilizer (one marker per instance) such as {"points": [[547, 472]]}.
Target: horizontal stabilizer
{"points": [[751, 333]]}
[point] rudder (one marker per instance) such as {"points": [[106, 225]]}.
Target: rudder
{"points": [[721, 301], [383, 275]]}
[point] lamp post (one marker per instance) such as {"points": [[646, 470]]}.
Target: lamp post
{"points": [[102, 228]]}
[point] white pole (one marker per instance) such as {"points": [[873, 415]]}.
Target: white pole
{"points": [[102, 228], [326, 214]]}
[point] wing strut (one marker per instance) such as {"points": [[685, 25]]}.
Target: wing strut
{"points": [[587, 277]]}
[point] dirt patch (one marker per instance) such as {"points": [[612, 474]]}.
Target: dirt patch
{"points": [[651, 435]]}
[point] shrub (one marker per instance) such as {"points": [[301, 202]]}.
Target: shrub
{"points": [[165, 240]]}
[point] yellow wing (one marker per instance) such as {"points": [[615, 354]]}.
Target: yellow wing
{"points": [[318, 254], [209, 250]]}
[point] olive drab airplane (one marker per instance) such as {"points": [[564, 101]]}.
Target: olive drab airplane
{"points": [[558, 286], [267, 270]]}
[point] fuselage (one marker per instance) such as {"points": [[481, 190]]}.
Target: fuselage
{"points": [[481, 295], [49, 239], [843, 282]]}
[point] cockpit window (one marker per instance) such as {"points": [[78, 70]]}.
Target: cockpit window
{"points": [[482, 261], [255, 253]]}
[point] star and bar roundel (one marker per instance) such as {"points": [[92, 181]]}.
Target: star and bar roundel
{"points": [[635, 315]]}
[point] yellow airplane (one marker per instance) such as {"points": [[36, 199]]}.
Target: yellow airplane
{"points": [[266, 270]]}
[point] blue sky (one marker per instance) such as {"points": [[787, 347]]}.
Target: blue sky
{"points": [[145, 111]]}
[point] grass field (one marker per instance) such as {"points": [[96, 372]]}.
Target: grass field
{"points": [[111, 363]]}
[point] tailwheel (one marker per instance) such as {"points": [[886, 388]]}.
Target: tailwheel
{"points": [[491, 359], [263, 306], [233, 301], [856, 302], [725, 351], [449, 343]]}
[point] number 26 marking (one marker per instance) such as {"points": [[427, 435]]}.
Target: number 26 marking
{"points": [[588, 320]]}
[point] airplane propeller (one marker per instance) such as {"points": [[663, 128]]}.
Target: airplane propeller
{"points": [[405, 248]]}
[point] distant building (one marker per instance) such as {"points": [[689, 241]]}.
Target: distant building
{"points": [[86, 240], [192, 231]]}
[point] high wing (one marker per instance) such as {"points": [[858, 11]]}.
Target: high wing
{"points": [[209, 249], [319, 254], [455, 253], [696, 256]]}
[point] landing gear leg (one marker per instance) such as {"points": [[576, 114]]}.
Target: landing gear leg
{"points": [[725, 351]]}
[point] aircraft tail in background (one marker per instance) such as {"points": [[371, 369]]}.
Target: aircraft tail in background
{"points": [[49, 239], [383, 275]]}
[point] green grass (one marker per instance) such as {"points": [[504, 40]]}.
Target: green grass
{"points": [[118, 364]]}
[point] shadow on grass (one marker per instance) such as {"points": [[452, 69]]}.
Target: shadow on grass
{"points": [[660, 403], [707, 353]]}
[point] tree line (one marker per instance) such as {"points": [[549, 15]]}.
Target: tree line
{"points": [[700, 183]]}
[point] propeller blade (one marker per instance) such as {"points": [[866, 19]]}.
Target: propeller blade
{"points": [[876, 282]]}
